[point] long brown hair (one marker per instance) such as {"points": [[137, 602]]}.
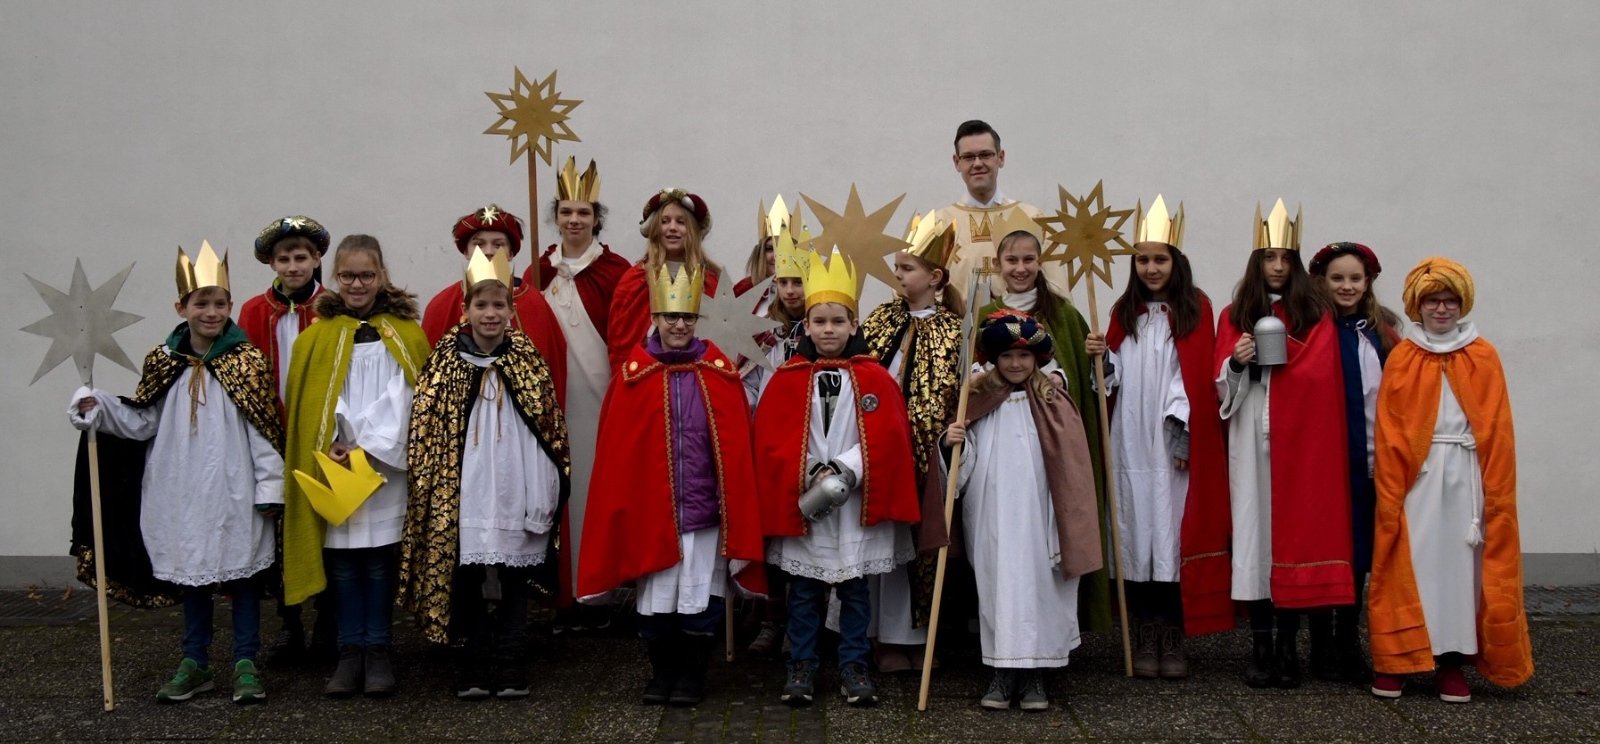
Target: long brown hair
{"points": [[949, 297], [1048, 302], [1182, 297], [756, 266], [1381, 319], [1252, 299]]}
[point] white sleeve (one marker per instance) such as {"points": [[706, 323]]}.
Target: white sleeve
{"points": [[268, 466], [967, 463], [113, 417], [1114, 376], [1232, 387], [544, 490], [850, 460], [381, 428]]}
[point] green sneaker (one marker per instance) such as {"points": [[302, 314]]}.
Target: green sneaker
{"points": [[189, 681], [247, 687]]}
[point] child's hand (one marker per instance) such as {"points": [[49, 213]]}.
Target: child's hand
{"points": [[955, 434], [1244, 352], [339, 452], [87, 404], [1095, 344], [822, 473], [1180, 463]]}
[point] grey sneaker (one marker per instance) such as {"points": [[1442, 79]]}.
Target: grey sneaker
{"points": [[247, 688], [1033, 698], [856, 686], [189, 681], [798, 690], [999, 695]]}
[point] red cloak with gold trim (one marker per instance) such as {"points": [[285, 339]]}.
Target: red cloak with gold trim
{"points": [[534, 318], [630, 525], [596, 283], [630, 313], [783, 435], [1205, 576], [259, 318], [1310, 509], [1408, 406]]}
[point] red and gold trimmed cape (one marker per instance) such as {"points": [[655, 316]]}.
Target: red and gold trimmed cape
{"points": [[259, 318], [783, 435], [630, 524], [595, 283], [630, 313], [1408, 407], [1205, 577], [534, 318], [1310, 509]]}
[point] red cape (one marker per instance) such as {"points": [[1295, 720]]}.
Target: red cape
{"points": [[742, 286], [596, 282], [1206, 575], [534, 318], [259, 319], [630, 313], [783, 432], [1310, 509], [630, 526]]}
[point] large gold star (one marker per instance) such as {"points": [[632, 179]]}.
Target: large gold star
{"points": [[81, 323], [860, 236], [729, 322], [1087, 231], [533, 117]]}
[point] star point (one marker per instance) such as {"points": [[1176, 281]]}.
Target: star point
{"points": [[533, 117], [728, 322], [1081, 235], [81, 323], [860, 236]]}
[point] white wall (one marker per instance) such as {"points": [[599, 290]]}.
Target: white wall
{"points": [[1463, 128]]}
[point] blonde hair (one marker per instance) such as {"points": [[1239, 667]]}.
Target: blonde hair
{"points": [[991, 380], [694, 256]]}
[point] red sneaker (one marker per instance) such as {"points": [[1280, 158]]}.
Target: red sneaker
{"points": [[1452, 684], [1387, 685]]}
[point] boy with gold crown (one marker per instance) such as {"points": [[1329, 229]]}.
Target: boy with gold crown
{"points": [[488, 469], [212, 476], [839, 515], [673, 504]]}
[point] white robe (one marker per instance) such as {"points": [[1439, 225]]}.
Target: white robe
{"points": [[688, 585], [509, 486], [202, 481], [374, 413], [286, 331], [757, 377], [1151, 492], [1444, 509], [1244, 407], [588, 375], [838, 548], [1027, 615]]}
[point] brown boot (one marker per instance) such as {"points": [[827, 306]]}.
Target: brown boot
{"points": [[1146, 664], [1174, 663]]}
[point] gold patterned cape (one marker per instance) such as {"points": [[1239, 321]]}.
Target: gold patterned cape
{"points": [[447, 388]]}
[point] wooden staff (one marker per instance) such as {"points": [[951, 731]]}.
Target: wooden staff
{"points": [[1111, 485], [727, 614], [981, 276], [100, 569], [533, 221]]}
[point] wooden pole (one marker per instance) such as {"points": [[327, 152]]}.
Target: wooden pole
{"points": [[100, 571], [534, 245], [727, 615], [1111, 486]]}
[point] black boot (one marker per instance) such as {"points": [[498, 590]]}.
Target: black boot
{"points": [[664, 654], [690, 688], [1324, 659], [290, 648], [1263, 669], [1288, 651], [347, 677], [379, 679], [1352, 666], [323, 647]]}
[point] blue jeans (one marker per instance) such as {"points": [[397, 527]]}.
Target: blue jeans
{"points": [[197, 626], [362, 581], [702, 623], [808, 601]]}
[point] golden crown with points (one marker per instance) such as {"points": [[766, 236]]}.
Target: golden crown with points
{"points": [[1012, 219], [572, 187], [676, 294], [482, 268], [980, 231], [1158, 226], [932, 240], [206, 270], [1277, 230], [833, 280]]}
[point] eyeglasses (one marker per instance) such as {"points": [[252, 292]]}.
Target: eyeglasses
{"points": [[1452, 303], [685, 319], [356, 277], [968, 158]]}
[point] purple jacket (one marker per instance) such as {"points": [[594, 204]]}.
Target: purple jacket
{"points": [[694, 465]]}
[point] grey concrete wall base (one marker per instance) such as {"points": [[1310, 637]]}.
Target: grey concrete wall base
{"points": [[24, 571]]}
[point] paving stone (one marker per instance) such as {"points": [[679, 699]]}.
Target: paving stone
{"points": [[1288, 717], [1157, 716]]}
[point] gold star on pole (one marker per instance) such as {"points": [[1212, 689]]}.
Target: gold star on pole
{"points": [[81, 323], [860, 236], [728, 322], [533, 117], [1087, 230]]}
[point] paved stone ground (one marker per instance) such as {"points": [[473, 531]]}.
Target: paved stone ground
{"points": [[586, 689]]}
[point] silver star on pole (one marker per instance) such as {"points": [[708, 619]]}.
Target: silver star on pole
{"points": [[81, 323], [728, 322]]}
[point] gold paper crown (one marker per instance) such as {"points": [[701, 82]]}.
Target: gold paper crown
{"points": [[789, 257], [206, 270], [1158, 226], [482, 268], [1277, 230], [676, 294], [831, 281], [1012, 219], [572, 187], [932, 240], [347, 489]]}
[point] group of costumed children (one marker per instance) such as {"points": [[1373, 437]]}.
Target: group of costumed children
{"points": [[568, 432]]}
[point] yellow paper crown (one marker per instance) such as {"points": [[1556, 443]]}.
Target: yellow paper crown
{"points": [[206, 270], [1277, 230], [1158, 226], [347, 488], [1012, 219], [572, 187], [482, 268], [676, 294], [831, 281], [932, 240]]}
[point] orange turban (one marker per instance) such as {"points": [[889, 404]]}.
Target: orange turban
{"points": [[1437, 274]]}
